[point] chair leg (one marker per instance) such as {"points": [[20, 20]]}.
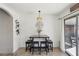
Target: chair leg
{"points": [[52, 46], [40, 50], [46, 51], [32, 51], [26, 47]]}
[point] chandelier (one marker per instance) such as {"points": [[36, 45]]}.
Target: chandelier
{"points": [[39, 23]]}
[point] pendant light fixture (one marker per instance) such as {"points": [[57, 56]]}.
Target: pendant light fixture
{"points": [[39, 23]]}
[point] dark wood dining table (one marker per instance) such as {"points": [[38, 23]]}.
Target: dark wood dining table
{"points": [[46, 37]]}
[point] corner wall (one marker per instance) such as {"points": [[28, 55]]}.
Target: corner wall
{"points": [[62, 43]]}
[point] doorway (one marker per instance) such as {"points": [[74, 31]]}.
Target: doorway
{"points": [[6, 32], [71, 34]]}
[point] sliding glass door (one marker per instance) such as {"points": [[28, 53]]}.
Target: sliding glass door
{"points": [[78, 37], [70, 35]]}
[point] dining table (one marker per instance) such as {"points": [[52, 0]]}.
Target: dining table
{"points": [[39, 38]]}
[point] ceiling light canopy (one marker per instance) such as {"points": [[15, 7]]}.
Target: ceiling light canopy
{"points": [[39, 18]]}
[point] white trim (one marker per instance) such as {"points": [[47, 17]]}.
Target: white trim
{"points": [[70, 14]]}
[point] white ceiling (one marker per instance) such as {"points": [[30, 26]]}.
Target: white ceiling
{"points": [[46, 8]]}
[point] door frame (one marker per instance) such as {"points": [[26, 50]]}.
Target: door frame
{"points": [[75, 30]]}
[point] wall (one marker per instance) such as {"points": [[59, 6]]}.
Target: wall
{"points": [[63, 13], [27, 27], [6, 32]]}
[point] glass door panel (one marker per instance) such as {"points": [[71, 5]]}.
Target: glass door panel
{"points": [[78, 37], [70, 36]]}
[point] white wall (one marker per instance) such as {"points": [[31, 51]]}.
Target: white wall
{"points": [[27, 27], [65, 12], [6, 32]]}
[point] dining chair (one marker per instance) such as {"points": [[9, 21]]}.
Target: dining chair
{"points": [[28, 44], [50, 44], [43, 45], [34, 45]]}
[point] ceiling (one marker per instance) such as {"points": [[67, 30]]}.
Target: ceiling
{"points": [[46, 8]]}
